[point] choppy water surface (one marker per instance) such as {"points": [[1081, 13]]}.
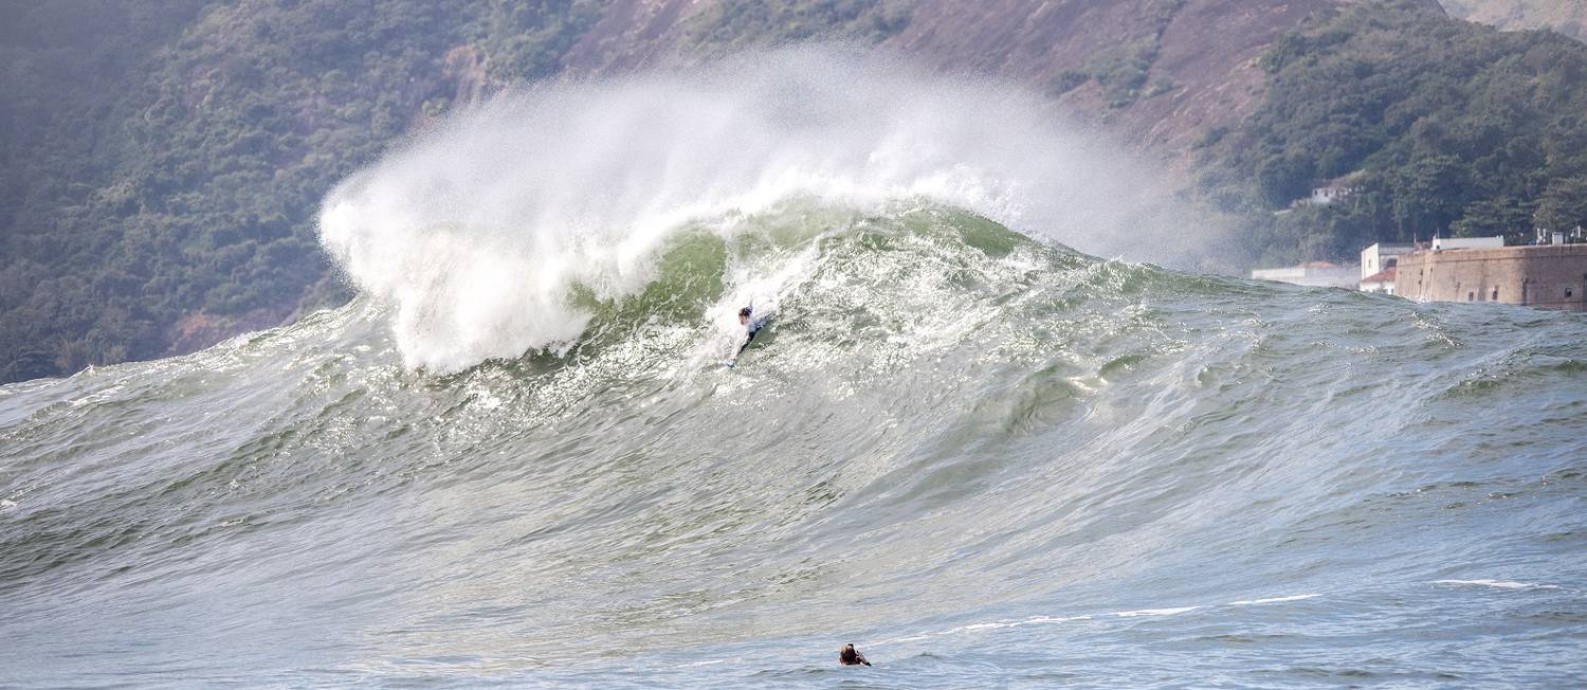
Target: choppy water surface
{"points": [[985, 459]]}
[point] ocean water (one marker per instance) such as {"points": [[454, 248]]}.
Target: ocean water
{"points": [[965, 443]]}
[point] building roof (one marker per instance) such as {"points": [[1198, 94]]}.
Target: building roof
{"points": [[1384, 276]]}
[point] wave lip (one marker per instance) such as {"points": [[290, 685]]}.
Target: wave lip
{"points": [[1274, 600]]}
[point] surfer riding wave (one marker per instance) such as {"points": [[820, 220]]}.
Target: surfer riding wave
{"points": [[752, 324]]}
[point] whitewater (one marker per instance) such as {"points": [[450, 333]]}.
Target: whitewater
{"points": [[1002, 430]]}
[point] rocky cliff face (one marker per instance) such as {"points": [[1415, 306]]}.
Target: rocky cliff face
{"points": [[1158, 74], [1568, 17]]}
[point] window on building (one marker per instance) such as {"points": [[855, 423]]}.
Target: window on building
{"points": [[1495, 296], [1472, 296]]}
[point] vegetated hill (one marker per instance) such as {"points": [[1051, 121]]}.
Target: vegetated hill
{"points": [[163, 162], [1437, 126], [65, 66], [1568, 17]]}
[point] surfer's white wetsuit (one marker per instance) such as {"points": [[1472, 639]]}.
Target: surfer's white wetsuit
{"points": [[752, 325]]}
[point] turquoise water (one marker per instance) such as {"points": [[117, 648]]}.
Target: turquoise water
{"points": [[986, 461]]}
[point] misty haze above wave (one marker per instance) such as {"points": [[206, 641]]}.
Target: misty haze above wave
{"points": [[476, 235]]}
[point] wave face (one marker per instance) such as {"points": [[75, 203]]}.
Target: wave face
{"points": [[984, 458]]}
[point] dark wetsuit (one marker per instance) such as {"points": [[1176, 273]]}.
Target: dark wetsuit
{"points": [[849, 656]]}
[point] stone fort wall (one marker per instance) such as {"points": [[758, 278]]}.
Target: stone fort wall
{"points": [[1547, 277]]}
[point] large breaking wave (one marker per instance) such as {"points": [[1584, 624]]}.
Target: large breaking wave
{"points": [[479, 233]]}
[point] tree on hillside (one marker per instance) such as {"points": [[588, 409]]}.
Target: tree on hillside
{"points": [[1563, 205]]}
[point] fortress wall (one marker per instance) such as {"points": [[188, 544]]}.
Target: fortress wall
{"points": [[1547, 277]]}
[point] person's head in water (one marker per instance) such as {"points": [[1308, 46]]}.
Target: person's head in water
{"points": [[743, 315], [849, 656]]}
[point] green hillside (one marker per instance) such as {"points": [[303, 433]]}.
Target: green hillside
{"points": [[1438, 126], [167, 185], [260, 107]]}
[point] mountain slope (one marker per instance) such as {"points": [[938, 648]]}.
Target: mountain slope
{"points": [[1158, 72], [1568, 17]]}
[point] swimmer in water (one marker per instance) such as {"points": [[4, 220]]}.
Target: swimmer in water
{"points": [[849, 656]]}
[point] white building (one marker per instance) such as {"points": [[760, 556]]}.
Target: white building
{"points": [[1379, 257], [1322, 196], [1312, 274], [1378, 264]]}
